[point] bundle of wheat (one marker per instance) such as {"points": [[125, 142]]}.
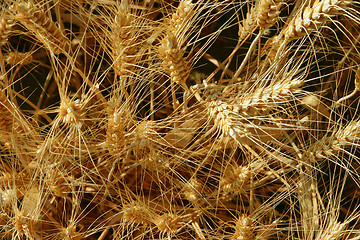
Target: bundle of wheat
{"points": [[163, 119]]}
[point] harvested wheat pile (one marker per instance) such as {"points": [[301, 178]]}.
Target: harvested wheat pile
{"points": [[162, 119]]}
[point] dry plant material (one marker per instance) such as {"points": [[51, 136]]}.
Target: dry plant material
{"points": [[172, 48], [244, 229], [174, 62], [5, 28], [269, 11], [313, 17], [125, 40], [45, 30], [70, 111], [115, 126], [14, 58]]}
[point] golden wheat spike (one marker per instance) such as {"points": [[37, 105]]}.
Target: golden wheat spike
{"points": [[16, 57], [43, 27], [313, 17], [172, 49], [174, 62], [268, 13], [5, 28], [124, 37], [244, 229], [269, 154]]}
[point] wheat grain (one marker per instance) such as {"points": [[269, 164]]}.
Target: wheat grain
{"points": [[192, 190], [308, 19], [269, 154], [70, 111], [172, 49], [248, 24], [264, 100], [136, 213], [168, 223], [183, 13], [263, 15]]}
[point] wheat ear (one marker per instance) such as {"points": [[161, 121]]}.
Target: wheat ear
{"points": [[309, 20], [6, 24], [173, 60], [304, 23], [263, 15], [46, 31], [244, 229], [231, 116], [124, 39], [264, 100], [332, 145], [268, 13], [172, 48], [235, 180], [248, 25], [313, 17], [16, 57]]}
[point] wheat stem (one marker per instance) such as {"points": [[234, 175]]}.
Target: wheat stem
{"points": [[246, 58]]}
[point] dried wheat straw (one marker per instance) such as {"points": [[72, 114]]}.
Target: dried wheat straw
{"points": [[41, 25]]}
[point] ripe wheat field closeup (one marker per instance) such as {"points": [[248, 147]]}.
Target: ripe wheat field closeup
{"points": [[167, 119]]}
